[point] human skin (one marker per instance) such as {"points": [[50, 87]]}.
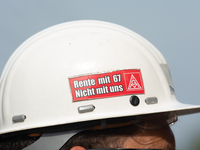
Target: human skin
{"points": [[162, 138]]}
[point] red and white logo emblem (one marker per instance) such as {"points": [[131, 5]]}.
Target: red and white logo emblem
{"points": [[111, 84], [133, 84], [133, 81]]}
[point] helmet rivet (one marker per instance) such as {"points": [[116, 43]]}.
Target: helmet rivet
{"points": [[134, 100]]}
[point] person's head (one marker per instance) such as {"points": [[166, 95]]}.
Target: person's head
{"points": [[78, 75], [130, 136], [133, 136]]}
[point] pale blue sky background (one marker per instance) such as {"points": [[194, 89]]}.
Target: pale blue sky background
{"points": [[173, 26]]}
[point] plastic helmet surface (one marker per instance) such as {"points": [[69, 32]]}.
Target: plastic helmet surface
{"points": [[81, 71]]}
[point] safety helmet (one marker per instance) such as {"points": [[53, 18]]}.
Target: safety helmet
{"points": [[82, 71]]}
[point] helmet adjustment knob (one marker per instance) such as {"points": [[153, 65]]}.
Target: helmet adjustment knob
{"points": [[134, 100]]}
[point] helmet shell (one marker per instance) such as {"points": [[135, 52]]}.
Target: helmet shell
{"points": [[35, 80]]}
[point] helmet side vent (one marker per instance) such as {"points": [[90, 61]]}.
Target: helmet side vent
{"points": [[18, 118], [151, 100], [87, 108]]}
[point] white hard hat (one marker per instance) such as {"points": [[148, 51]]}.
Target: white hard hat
{"points": [[82, 71]]}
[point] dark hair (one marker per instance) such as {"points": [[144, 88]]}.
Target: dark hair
{"points": [[16, 142], [107, 138], [89, 139]]}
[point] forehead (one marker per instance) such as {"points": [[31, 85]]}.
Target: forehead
{"points": [[160, 139]]}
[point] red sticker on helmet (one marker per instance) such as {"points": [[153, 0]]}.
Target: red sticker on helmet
{"points": [[112, 84]]}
